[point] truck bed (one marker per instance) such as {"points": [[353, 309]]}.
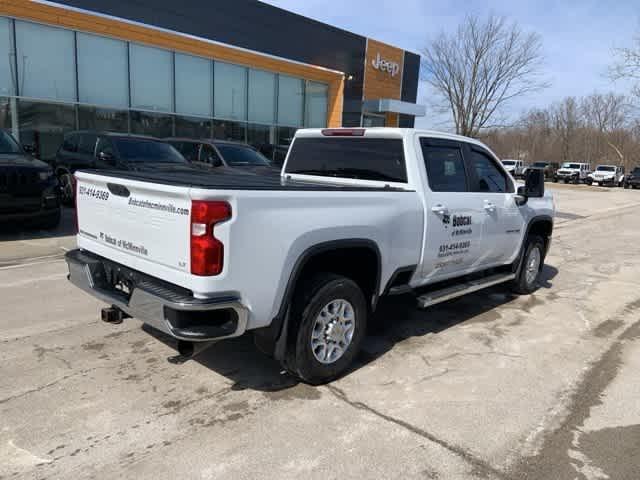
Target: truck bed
{"points": [[231, 181]]}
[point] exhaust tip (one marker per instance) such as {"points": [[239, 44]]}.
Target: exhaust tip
{"points": [[186, 349]]}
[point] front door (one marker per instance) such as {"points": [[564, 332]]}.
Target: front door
{"points": [[503, 221], [454, 215]]}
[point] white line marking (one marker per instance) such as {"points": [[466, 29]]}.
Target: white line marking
{"points": [[11, 267]]}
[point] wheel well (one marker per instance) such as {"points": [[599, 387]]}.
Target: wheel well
{"points": [[61, 170], [360, 264], [543, 228]]}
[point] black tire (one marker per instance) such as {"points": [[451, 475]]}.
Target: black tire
{"points": [[66, 189], [308, 303], [51, 221], [521, 284], [555, 179], [626, 185]]}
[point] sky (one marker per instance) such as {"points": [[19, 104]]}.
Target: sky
{"points": [[578, 36]]}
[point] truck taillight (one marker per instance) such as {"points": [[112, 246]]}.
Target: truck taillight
{"points": [[75, 202], [207, 252]]}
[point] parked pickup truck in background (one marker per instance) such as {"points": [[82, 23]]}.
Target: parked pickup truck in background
{"points": [[514, 167], [302, 260]]}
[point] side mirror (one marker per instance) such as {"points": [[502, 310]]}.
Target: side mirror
{"points": [[214, 161], [30, 149], [533, 186], [107, 158]]}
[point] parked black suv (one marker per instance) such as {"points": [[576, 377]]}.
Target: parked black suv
{"points": [[223, 153], [112, 151], [550, 168], [29, 191], [632, 180]]}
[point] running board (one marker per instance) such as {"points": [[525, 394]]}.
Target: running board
{"points": [[448, 293]]}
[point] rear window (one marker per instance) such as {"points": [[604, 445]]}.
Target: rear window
{"points": [[147, 151], [362, 158]]}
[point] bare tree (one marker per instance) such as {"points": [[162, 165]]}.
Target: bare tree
{"points": [[627, 64], [566, 118], [608, 113], [480, 68]]}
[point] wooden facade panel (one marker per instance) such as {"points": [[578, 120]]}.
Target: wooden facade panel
{"points": [[24, 9], [383, 74]]}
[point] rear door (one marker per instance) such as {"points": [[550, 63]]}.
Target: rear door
{"points": [[454, 215], [122, 218]]}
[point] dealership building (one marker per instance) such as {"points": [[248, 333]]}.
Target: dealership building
{"points": [[234, 69]]}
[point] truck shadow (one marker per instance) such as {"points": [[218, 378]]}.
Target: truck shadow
{"points": [[396, 320]]}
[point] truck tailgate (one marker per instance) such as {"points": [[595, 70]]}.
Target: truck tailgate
{"points": [[146, 220]]}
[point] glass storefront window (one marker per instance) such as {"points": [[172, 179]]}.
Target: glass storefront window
{"points": [[369, 120], [316, 104], [262, 96], [151, 71], [192, 127], [259, 135], [103, 119], [284, 135], [46, 62], [6, 80], [43, 126], [102, 71], [154, 124], [194, 86], [290, 101], [226, 130], [230, 91]]}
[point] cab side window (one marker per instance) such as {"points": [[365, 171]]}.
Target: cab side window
{"points": [[70, 143], [490, 178], [210, 156], [445, 167], [105, 146], [87, 144]]}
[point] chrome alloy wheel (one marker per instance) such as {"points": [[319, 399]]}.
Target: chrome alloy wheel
{"points": [[333, 331], [533, 265]]}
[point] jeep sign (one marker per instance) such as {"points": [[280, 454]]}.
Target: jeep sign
{"points": [[385, 65]]}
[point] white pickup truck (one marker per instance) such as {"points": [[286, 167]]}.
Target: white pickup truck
{"points": [[302, 260]]}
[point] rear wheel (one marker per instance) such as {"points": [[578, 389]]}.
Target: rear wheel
{"points": [[527, 279], [331, 312]]}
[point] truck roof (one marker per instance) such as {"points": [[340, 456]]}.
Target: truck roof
{"points": [[390, 132]]}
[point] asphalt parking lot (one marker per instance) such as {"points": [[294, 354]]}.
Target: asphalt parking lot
{"points": [[489, 386]]}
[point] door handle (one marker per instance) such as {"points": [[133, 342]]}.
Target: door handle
{"points": [[489, 206], [439, 209]]}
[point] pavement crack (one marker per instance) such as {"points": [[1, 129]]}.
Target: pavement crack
{"points": [[480, 467], [45, 386]]}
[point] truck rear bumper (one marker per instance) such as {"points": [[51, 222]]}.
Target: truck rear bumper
{"points": [[166, 307]]}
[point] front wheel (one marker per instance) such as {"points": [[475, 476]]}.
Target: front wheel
{"points": [[332, 314], [527, 279], [66, 189]]}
